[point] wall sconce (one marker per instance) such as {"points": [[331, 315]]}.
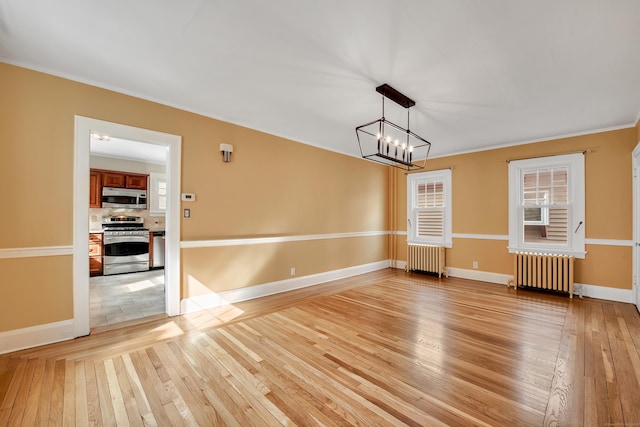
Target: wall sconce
{"points": [[226, 149]]}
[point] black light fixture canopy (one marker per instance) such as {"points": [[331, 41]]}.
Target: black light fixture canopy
{"points": [[385, 142], [400, 99]]}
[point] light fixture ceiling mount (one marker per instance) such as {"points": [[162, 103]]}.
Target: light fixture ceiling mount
{"points": [[385, 142]]}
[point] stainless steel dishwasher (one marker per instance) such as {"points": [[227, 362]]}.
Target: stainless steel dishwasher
{"points": [[158, 249]]}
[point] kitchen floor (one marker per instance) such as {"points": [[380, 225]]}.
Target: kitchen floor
{"points": [[126, 297]]}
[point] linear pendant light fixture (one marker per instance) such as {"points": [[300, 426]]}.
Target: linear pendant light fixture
{"points": [[385, 142]]}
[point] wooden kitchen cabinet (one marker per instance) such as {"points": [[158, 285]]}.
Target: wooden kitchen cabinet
{"points": [[95, 254], [134, 181], [114, 179], [95, 189], [137, 182]]}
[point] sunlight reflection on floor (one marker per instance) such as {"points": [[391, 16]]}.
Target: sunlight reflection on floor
{"points": [[139, 286], [167, 330]]}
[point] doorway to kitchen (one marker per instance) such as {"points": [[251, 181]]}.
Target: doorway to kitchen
{"points": [[170, 145], [127, 211]]}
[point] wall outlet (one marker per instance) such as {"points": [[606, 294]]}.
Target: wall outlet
{"points": [[293, 271], [475, 264]]}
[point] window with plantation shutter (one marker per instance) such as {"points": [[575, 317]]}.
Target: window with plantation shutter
{"points": [[429, 207], [546, 205], [157, 194]]}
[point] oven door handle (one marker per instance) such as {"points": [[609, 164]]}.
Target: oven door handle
{"points": [[125, 239]]}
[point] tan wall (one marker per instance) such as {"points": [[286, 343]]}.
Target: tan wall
{"points": [[35, 291], [225, 268], [272, 187], [480, 186]]}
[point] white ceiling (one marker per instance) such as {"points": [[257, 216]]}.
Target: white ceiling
{"points": [[483, 73], [129, 150]]}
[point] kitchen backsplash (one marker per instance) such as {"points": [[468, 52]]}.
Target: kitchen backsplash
{"points": [[153, 223]]}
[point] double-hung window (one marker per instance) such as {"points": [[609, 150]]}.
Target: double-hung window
{"points": [[546, 205], [429, 208], [157, 194]]}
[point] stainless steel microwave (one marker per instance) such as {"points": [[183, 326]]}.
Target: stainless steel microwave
{"points": [[124, 198]]}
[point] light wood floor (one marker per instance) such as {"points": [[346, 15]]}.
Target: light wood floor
{"points": [[384, 348]]}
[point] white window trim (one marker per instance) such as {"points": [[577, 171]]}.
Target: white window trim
{"points": [[154, 178], [412, 179], [576, 234], [544, 220], [544, 217]]}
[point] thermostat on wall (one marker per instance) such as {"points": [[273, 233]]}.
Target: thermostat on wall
{"points": [[188, 197]]}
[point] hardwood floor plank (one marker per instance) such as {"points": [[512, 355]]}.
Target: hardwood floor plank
{"points": [[34, 395], [183, 409], [396, 361], [325, 371], [197, 403], [46, 393], [7, 371], [152, 389], [631, 316], [382, 348], [19, 402], [173, 415], [596, 407], [107, 411], [57, 394], [137, 391], [251, 388], [117, 399], [623, 362], [226, 401], [134, 417], [615, 405], [94, 416], [292, 393]]}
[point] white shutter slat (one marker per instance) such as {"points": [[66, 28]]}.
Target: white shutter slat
{"points": [[430, 223], [558, 228]]}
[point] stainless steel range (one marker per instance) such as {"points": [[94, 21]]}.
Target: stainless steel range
{"points": [[126, 244]]}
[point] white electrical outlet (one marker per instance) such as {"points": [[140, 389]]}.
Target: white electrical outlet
{"points": [[293, 271], [475, 264]]}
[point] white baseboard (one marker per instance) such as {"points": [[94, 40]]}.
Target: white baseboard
{"points": [[401, 265], [602, 292], [590, 291], [482, 276], [35, 336], [219, 299]]}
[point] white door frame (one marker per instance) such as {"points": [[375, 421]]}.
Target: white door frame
{"points": [[636, 224], [84, 126]]}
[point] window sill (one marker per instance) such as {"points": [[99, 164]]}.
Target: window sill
{"points": [[548, 251], [447, 245]]}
